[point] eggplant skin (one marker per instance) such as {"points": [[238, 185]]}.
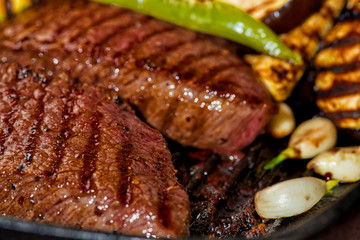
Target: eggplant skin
{"points": [[338, 71], [279, 76]]}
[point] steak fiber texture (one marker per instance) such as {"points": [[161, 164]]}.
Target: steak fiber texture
{"points": [[192, 89], [70, 155]]}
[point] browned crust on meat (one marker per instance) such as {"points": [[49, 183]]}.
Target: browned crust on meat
{"points": [[185, 85], [71, 156]]}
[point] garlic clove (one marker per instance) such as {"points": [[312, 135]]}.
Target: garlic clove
{"points": [[341, 163], [312, 137], [283, 123], [289, 198]]}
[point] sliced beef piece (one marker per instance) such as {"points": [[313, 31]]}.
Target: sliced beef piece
{"points": [[70, 155], [183, 83]]}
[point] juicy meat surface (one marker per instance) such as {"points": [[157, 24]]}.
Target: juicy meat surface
{"points": [[70, 155], [183, 83]]}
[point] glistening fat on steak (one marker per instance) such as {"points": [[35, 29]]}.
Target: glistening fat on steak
{"points": [[191, 89], [71, 156]]}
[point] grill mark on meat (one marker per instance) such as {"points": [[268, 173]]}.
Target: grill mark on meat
{"points": [[57, 24], [143, 20], [90, 154], [31, 141], [60, 146], [201, 80], [120, 32], [28, 27], [164, 211], [5, 133], [63, 136], [96, 22], [188, 60], [159, 58], [124, 166], [13, 100], [115, 29], [138, 42], [151, 62], [71, 17]]}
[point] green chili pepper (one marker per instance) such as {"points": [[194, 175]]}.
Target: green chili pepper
{"points": [[217, 18]]}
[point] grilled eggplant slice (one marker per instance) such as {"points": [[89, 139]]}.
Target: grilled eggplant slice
{"points": [[338, 66], [280, 77]]}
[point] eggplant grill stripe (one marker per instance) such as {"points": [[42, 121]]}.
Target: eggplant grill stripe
{"points": [[339, 90], [340, 42], [335, 115], [340, 69]]}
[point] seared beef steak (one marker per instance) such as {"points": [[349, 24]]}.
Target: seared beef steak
{"points": [[191, 89], [71, 156]]}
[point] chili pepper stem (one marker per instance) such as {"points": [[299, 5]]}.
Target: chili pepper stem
{"points": [[330, 185], [285, 154]]}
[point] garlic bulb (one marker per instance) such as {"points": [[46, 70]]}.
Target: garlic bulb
{"points": [[310, 138], [283, 123], [341, 163], [289, 198]]}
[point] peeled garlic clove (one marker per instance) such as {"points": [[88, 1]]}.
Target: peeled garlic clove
{"points": [[283, 123], [289, 198], [312, 137], [341, 163]]}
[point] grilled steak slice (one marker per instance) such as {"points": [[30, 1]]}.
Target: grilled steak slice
{"points": [[72, 156], [191, 89]]}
